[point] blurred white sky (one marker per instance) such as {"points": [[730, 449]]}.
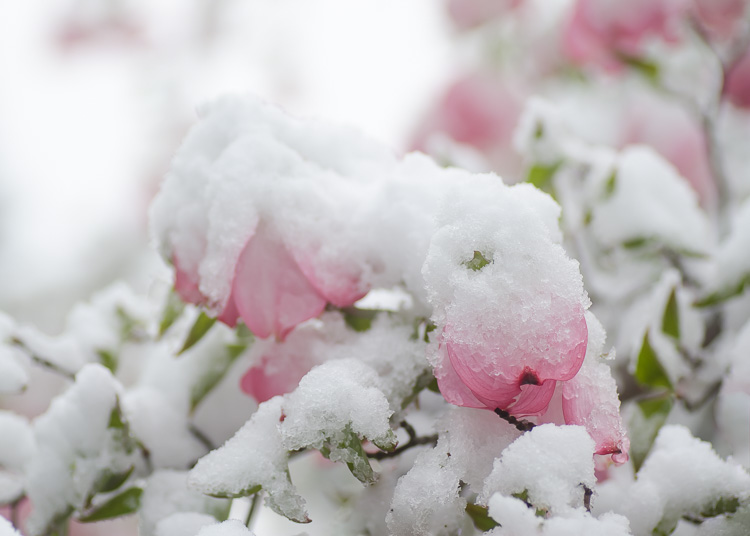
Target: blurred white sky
{"points": [[96, 94]]}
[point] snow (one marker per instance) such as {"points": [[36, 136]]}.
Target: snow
{"points": [[681, 475], [6, 529], [426, 500], [254, 456], [332, 397], [651, 201], [75, 447], [551, 463], [516, 519], [166, 493], [183, 524], [231, 527]]}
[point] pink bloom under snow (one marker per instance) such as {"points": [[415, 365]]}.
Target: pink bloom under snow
{"points": [[480, 110], [602, 31], [492, 370], [719, 17], [272, 291], [590, 400]]}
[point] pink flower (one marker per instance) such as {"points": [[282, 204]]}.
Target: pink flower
{"points": [[492, 370], [672, 132], [469, 13], [278, 373], [737, 83], [602, 31], [590, 400], [480, 110], [719, 17], [274, 290]]}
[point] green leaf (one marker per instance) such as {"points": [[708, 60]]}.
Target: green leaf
{"points": [[646, 421], [129, 326], [108, 359], [173, 308], [636, 243], [200, 327], [670, 322], [215, 372], [610, 185], [724, 505], [480, 517], [541, 176], [115, 419], [648, 369], [351, 452], [424, 381], [725, 294], [359, 319], [478, 262], [121, 504], [109, 481], [665, 527], [648, 69]]}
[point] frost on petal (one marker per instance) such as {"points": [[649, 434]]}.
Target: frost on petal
{"points": [[551, 463], [186, 284], [271, 293], [590, 400], [426, 501], [253, 459], [509, 301]]}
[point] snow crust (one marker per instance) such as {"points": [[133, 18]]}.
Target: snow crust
{"points": [[231, 527], [551, 463]]}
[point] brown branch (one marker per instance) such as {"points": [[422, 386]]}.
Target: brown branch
{"points": [[414, 441], [520, 424]]}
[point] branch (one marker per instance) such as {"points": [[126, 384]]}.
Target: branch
{"points": [[521, 424], [414, 441]]}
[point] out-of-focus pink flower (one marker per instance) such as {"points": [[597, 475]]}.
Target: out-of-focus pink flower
{"points": [[737, 83], [273, 290], [480, 110], [469, 13], [674, 134], [719, 17], [278, 373], [602, 31], [485, 371], [590, 400]]}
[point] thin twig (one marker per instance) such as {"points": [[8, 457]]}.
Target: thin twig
{"points": [[414, 441], [587, 493], [251, 511], [46, 363], [521, 424]]}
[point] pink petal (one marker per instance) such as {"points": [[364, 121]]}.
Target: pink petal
{"points": [[737, 86], [590, 400], [337, 286], [270, 292], [186, 284], [275, 375], [518, 377], [452, 388]]}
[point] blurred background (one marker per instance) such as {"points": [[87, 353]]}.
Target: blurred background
{"points": [[96, 95]]}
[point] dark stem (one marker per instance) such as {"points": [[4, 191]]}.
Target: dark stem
{"points": [[42, 361], [414, 441], [520, 424], [587, 493], [251, 511]]}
